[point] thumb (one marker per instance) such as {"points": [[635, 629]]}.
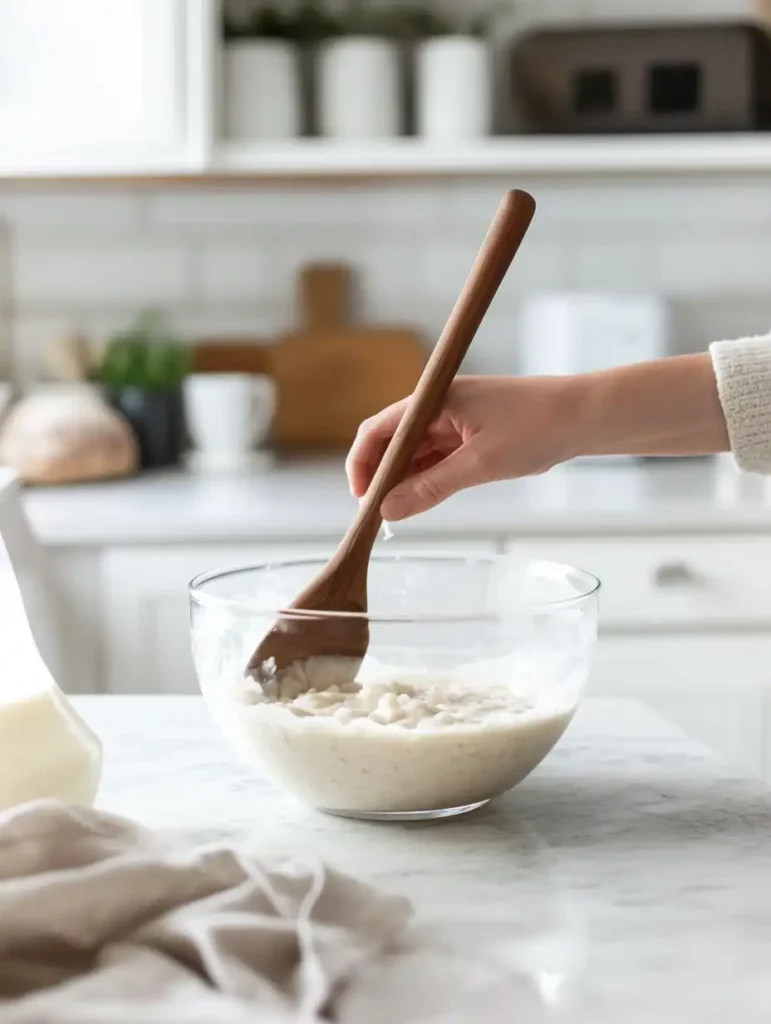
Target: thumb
{"points": [[425, 490]]}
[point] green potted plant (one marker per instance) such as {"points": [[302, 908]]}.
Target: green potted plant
{"points": [[141, 372]]}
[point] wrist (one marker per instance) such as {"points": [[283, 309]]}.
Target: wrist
{"points": [[574, 415], [667, 407]]}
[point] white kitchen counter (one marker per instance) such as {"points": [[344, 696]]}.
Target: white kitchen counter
{"points": [[308, 499], [629, 878]]}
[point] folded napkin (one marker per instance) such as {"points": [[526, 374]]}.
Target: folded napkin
{"points": [[102, 921]]}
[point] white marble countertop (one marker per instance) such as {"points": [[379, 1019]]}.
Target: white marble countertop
{"points": [[629, 878], [308, 500]]}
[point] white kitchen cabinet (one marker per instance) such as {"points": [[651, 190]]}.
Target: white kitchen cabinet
{"points": [[78, 595], [668, 582], [94, 87], [147, 636], [145, 605], [685, 627]]}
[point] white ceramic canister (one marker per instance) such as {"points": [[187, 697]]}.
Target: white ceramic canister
{"points": [[359, 89], [454, 94], [261, 90]]}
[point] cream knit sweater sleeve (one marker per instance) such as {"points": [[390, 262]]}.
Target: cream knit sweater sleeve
{"points": [[743, 371]]}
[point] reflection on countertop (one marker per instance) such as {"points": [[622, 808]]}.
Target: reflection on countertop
{"points": [[308, 499]]}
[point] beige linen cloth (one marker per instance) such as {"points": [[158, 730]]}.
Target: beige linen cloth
{"points": [[103, 921]]}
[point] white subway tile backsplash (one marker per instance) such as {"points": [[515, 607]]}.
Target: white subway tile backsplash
{"points": [[213, 209], [696, 324], [705, 267], [301, 207], [415, 206], [661, 204], [236, 273], [91, 274], [45, 210], [386, 283], [231, 322], [31, 335], [223, 262], [610, 266], [495, 346], [443, 265], [472, 204], [539, 266]]}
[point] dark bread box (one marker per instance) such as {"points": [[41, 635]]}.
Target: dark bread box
{"points": [[701, 77]]}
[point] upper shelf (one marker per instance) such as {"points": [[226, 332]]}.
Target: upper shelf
{"points": [[412, 158], [650, 154]]}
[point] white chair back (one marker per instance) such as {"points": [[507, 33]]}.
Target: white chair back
{"points": [[23, 557]]}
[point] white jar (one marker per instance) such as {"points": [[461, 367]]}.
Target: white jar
{"points": [[454, 88], [261, 90], [359, 89]]}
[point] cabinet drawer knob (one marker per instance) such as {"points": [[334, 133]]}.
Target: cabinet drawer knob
{"points": [[675, 574]]}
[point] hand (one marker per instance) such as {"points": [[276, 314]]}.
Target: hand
{"points": [[491, 428], [498, 428]]}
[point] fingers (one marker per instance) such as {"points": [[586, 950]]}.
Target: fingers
{"points": [[369, 445], [427, 489]]}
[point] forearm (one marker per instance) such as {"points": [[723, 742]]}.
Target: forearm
{"points": [[667, 407]]}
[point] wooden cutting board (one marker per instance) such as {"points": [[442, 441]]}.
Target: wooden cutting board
{"points": [[332, 374]]}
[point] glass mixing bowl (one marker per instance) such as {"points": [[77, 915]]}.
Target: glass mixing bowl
{"points": [[474, 670]]}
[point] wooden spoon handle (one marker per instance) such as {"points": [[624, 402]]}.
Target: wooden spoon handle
{"points": [[493, 261]]}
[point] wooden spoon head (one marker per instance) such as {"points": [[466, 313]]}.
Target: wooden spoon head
{"points": [[328, 620]]}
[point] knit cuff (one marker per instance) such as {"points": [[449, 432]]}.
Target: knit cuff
{"points": [[743, 372]]}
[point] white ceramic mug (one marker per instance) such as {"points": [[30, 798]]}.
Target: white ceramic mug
{"points": [[229, 414]]}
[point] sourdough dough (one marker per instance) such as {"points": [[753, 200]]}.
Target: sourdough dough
{"points": [[392, 744]]}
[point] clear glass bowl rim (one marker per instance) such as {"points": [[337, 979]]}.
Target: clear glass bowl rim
{"points": [[199, 596]]}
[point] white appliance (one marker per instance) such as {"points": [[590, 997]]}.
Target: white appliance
{"points": [[578, 332]]}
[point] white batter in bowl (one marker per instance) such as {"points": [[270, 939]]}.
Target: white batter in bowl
{"points": [[439, 731]]}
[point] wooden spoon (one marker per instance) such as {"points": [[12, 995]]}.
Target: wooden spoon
{"points": [[306, 629]]}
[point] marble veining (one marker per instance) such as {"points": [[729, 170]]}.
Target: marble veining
{"points": [[629, 877]]}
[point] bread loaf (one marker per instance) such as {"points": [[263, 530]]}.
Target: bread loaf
{"points": [[65, 436]]}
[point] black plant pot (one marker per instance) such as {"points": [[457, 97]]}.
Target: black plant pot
{"points": [[158, 421]]}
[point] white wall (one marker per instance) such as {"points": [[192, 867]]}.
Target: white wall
{"points": [[223, 260]]}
